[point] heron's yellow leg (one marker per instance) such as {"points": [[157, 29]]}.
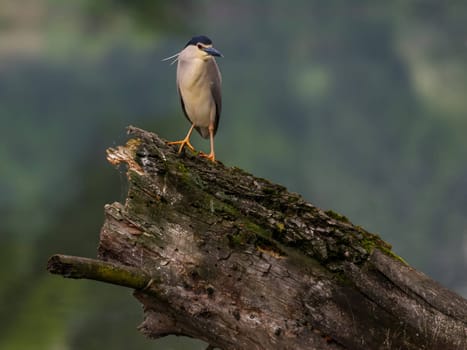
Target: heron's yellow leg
{"points": [[211, 156], [185, 141]]}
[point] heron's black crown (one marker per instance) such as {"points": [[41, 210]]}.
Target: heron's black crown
{"points": [[199, 39]]}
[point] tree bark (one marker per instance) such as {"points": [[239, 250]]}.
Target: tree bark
{"points": [[217, 254]]}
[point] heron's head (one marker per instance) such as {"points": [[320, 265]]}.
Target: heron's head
{"points": [[200, 47]]}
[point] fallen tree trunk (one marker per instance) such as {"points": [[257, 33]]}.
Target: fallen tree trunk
{"points": [[217, 254]]}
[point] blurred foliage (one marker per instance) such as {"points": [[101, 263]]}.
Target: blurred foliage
{"points": [[148, 15], [358, 106]]}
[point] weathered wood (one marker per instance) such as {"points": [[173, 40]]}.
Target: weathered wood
{"points": [[243, 264], [98, 270]]}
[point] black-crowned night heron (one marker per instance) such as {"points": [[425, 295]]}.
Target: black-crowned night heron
{"points": [[199, 87]]}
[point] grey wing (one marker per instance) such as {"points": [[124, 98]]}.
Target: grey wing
{"points": [[183, 104], [216, 92]]}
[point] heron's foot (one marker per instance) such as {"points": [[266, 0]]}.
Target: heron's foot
{"points": [[211, 156], [182, 143]]}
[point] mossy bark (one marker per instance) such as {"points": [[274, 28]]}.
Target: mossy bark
{"points": [[242, 263]]}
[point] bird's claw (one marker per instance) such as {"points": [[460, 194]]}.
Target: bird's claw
{"points": [[211, 156], [182, 144]]}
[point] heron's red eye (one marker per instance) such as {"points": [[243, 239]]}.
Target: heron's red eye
{"points": [[199, 46]]}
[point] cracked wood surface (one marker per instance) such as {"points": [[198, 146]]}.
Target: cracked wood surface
{"points": [[241, 263]]}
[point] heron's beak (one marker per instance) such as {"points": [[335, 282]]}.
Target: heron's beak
{"points": [[212, 51]]}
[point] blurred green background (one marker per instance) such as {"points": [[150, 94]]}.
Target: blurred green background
{"points": [[359, 106]]}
